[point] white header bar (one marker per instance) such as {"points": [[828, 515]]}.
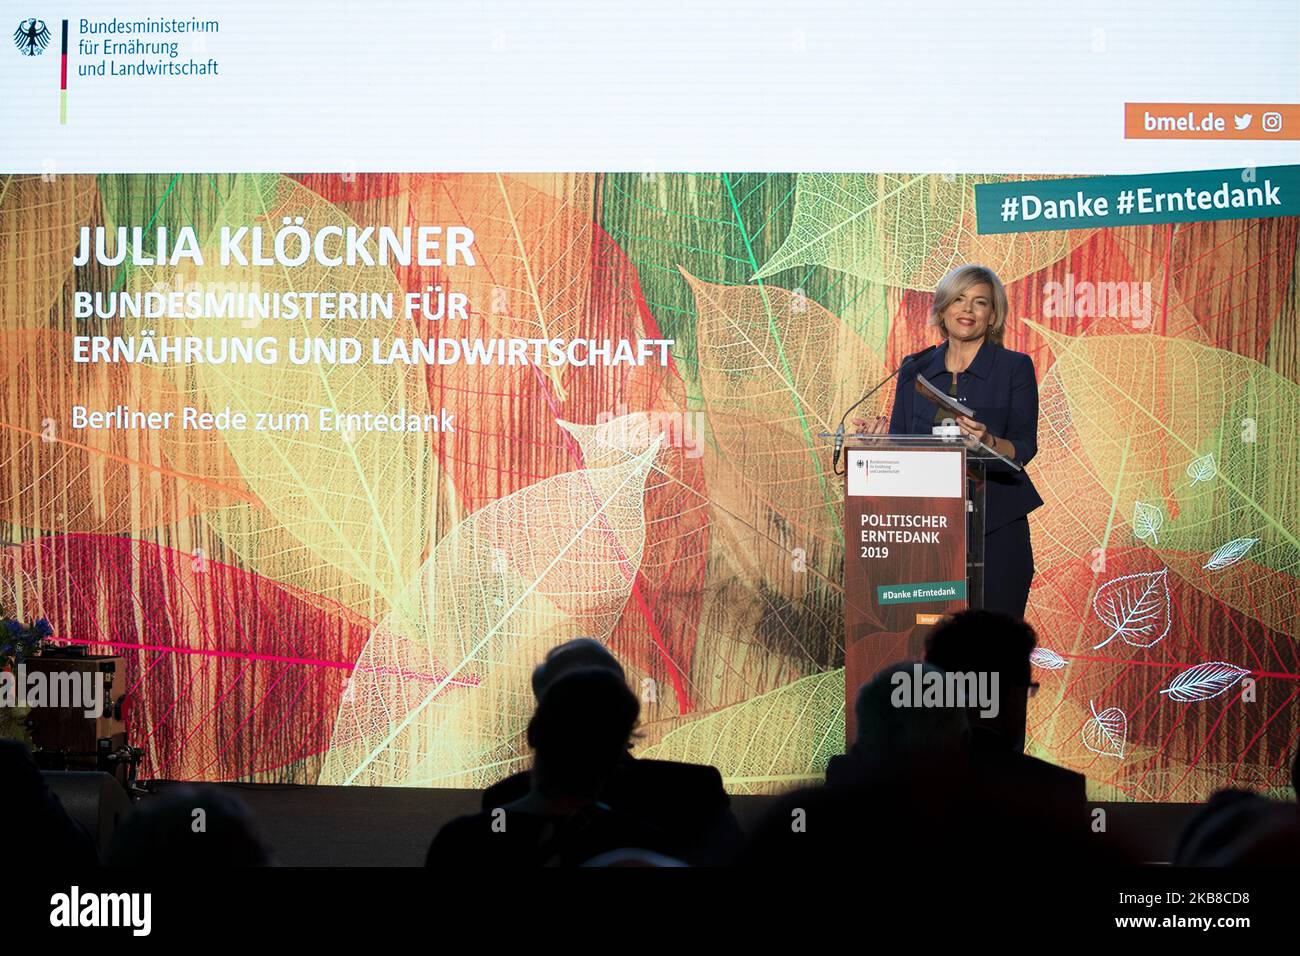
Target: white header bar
{"points": [[668, 86]]}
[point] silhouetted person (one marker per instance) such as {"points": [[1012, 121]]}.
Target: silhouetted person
{"points": [[1240, 828], [887, 799], [40, 831], [912, 746], [189, 826], [633, 858], [989, 642], [909, 795], [683, 799], [579, 735]]}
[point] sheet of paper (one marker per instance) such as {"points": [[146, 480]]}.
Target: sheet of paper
{"points": [[941, 398]]}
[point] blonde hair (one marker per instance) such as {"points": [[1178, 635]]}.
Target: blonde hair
{"points": [[958, 281]]}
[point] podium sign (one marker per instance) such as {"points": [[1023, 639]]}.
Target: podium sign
{"points": [[905, 554]]}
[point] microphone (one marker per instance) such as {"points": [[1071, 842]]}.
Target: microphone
{"points": [[839, 431]]}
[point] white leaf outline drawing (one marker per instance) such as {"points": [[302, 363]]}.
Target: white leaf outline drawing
{"points": [[1229, 554], [1204, 681], [1128, 613], [1047, 658], [479, 628], [1109, 729], [1202, 468], [1147, 520]]}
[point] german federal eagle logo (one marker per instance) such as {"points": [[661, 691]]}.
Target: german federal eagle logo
{"points": [[31, 37]]}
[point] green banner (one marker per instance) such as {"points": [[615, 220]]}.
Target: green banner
{"points": [[925, 591], [1044, 205]]}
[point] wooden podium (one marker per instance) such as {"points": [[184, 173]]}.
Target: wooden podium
{"points": [[913, 546], [64, 738]]}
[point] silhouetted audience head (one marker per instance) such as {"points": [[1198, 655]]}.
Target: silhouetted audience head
{"points": [[1274, 840], [994, 643], [42, 832], [580, 731], [579, 653], [195, 826], [898, 740], [1240, 828], [633, 857]]}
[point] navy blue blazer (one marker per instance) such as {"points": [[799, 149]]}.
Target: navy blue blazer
{"points": [[1001, 388]]}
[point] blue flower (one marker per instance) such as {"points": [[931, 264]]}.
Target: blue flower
{"points": [[43, 628], [13, 627]]}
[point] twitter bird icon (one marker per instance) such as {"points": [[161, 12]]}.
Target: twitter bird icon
{"points": [[1242, 121]]}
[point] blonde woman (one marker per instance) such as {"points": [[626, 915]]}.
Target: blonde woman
{"points": [[970, 314]]}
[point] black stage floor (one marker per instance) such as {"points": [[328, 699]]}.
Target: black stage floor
{"points": [[392, 826]]}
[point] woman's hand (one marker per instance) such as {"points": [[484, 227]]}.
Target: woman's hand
{"points": [[978, 432], [877, 426]]}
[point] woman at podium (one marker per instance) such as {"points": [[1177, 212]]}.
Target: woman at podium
{"points": [[999, 385]]}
